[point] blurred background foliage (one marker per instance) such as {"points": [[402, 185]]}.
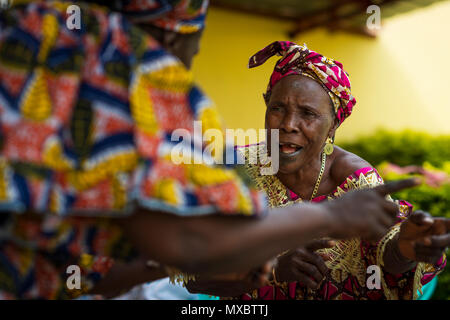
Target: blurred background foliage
{"points": [[417, 154]]}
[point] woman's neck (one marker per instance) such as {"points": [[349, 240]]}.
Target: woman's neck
{"points": [[303, 181]]}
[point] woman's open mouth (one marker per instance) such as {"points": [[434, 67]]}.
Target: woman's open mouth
{"points": [[289, 149]]}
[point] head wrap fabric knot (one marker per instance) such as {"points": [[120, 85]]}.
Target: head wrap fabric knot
{"points": [[299, 60], [182, 16]]}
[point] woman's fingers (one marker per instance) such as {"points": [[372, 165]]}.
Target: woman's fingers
{"points": [[421, 218], [431, 253], [440, 226], [428, 254], [268, 266], [383, 217], [316, 260], [325, 256], [441, 241], [377, 231], [395, 186], [306, 280], [260, 276], [308, 268], [391, 208], [320, 244], [418, 228], [304, 265], [259, 279], [425, 241]]}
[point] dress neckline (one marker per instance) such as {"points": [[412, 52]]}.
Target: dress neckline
{"points": [[344, 186]]}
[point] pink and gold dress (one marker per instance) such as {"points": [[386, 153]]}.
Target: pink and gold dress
{"points": [[347, 276]]}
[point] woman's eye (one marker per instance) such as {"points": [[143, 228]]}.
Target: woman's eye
{"points": [[309, 113]]}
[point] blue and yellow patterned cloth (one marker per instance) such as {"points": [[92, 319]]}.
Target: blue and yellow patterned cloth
{"points": [[86, 120], [182, 16]]}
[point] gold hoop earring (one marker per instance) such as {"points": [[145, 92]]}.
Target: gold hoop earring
{"points": [[328, 149]]}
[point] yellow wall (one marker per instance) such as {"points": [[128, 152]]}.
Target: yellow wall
{"points": [[400, 80]]}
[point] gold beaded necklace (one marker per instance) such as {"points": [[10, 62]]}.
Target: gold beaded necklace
{"points": [[319, 178]]}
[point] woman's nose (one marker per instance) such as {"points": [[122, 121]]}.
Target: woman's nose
{"points": [[290, 123]]}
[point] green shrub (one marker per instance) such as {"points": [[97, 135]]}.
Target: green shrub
{"points": [[403, 148], [412, 148]]}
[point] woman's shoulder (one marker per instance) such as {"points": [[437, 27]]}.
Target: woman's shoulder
{"points": [[346, 164]]}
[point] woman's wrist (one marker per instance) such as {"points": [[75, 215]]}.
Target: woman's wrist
{"points": [[124, 276], [394, 261], [327, 220], [323, 217], [275, 277], [300, 223]]}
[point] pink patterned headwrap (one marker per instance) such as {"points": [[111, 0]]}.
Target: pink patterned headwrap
{"points": [[300, 60]]}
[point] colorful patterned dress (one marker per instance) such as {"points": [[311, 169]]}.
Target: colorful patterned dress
{"points": [[347, 276], [86, 123]]}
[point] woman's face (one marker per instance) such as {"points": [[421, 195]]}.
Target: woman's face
{"points": [[302, 111]]}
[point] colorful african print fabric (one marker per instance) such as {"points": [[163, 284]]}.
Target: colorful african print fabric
{"points": [[299, 60], [86, 119], [182, 16], [347, 275]]}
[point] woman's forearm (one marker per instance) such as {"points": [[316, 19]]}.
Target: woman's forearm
{"points": [[394, 262], [252, 244], [124, 276], [212, 244], [221, 244]]}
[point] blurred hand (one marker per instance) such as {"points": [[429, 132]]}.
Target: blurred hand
{"points": [[365, 213], [304, 264], [257, 277], [232, 284], [423, 238]]}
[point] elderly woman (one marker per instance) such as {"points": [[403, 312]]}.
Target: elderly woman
{"points": [[307, 98]]}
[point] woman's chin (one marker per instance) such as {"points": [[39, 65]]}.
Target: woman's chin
{"points": [[290, 163], [288, 168]]}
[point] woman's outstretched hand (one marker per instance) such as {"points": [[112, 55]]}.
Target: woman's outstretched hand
{"points": [[423, 238], [304, 264], [365, 213]]}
